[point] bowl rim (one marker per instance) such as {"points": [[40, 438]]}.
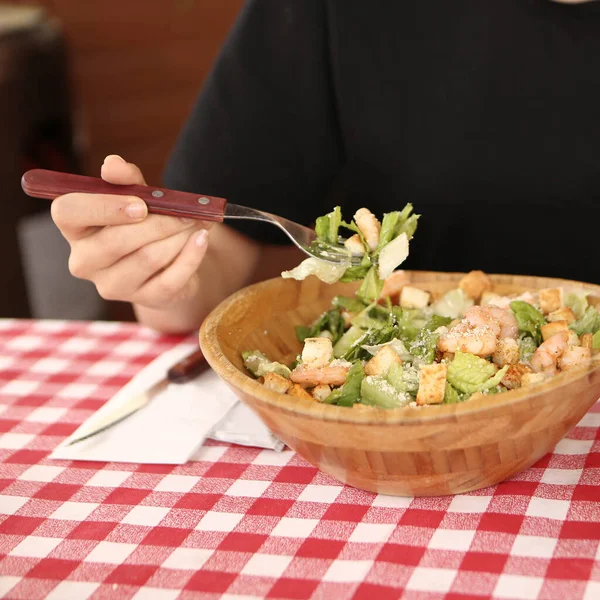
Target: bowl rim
{"points": [[367, 415]]}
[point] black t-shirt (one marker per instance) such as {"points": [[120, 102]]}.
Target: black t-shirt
{"points": [[484, 115]]}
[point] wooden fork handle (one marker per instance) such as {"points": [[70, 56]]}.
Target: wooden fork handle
{"points": [[40, 183]]}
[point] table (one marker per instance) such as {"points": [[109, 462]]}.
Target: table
{"points": [[248, 523]]}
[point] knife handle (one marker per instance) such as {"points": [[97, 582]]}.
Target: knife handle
{"points": [[41, 183], [188, 368]]}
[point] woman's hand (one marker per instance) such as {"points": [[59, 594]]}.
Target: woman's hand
{"points": [[130, 255]]}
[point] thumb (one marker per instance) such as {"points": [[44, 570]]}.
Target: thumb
{"points": [[117, 170]]}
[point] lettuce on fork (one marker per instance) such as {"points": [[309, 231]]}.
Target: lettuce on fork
{"points": [[378, 261]]}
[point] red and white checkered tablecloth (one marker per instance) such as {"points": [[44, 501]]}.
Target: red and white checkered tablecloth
{"points": [[245, 523]]}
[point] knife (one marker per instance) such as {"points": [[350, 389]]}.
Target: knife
{"points": [[185, 370]]}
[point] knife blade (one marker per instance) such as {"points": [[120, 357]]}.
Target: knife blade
{"points": [[183, 371]]}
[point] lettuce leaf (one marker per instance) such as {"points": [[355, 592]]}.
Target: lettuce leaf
{"points": [[452, 304], [424, 346], [396, 345], [327, 227], [409, 324], [351, 389], [596, 340], [396, 223], [326, 271], [529, 319], [588, 323], [258, 364], [404, 378], [354, 305], [371, 286], [469, 373], [452, 395], [357, 272], [370, 338], [330, 321], [527, 347], [577, 302]]}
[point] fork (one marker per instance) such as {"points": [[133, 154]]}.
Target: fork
{"points": [[41, 183]]}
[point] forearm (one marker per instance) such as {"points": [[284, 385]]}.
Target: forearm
{"points": [[231, 262]]}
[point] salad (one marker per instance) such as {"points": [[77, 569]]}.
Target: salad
{"points": [[393, 344]]}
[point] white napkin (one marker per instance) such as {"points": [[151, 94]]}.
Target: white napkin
{"points": [[173, 426]]}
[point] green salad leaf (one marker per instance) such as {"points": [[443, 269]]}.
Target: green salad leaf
{"points": [[577, 302], [351, 389], [395, 223], [596, 340], [372, 337], [327, 226], [378, 391], [404, 378], [353, 305], [469, 373], [452, 395], [371, 286], [259, 365], [357, 272], [529, 319], [588, 323], [452, 304], [330, 321], [527, 347]]}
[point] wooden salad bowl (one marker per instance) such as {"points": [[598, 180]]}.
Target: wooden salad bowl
{"points": [[409, 451]]}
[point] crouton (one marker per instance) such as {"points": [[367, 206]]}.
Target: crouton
{"points": [[382, 361], [449, 356], [550, 329], [572, 338], [299, 392], [321, 392], [317, 352], [551, 299], [507, 352], [393, 285], [512, 377], [562, 314], [593, 300], [475, 283], [411, 297], [587, 340], [277, 383], [354, 245], [528, 379], [369, 226], [432, 384], [574, 356]]}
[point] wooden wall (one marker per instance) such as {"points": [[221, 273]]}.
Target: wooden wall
{"points": [[136, 68]]}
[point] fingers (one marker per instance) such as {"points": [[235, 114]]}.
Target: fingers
{"points": [[75, 214], [123, 279], [110, 245], [179, 281], [117, 170]]}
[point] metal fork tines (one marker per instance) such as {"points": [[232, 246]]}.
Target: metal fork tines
{"points": [[303, 237]]}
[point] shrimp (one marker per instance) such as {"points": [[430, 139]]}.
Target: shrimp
{"points": [[501, 321], [312, 376], [545, 358], [574, 356], [480, 340], [369, 226]]}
